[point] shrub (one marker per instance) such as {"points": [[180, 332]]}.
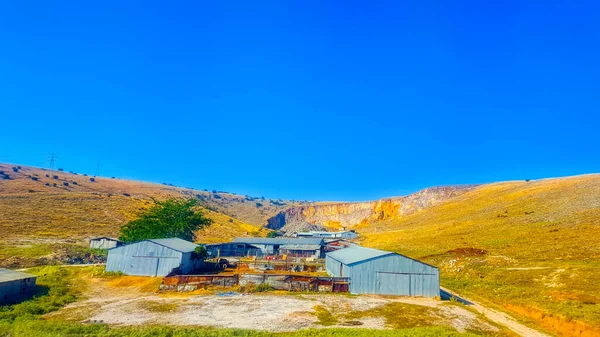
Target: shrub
{"points": [[230, 220], [66, 183], [258, 204], [1, 172], [85, 175], [15, 169], [216, 196], [272, 234], [47, 176], [30, 191], [19, 167], [54, 184], [47, 184], [92, 179], [214, 191], [55, 177], [74, 183], [60, 169], [127, 194], [34, 178], [5, 176]]}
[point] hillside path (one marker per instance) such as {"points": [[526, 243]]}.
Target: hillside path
{"points": [[496, 316]]}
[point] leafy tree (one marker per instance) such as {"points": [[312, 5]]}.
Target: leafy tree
{"points": [[166, 219], [272, 234]]}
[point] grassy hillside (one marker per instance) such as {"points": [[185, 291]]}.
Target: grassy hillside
{"points": [[50, 206], [532, 248]]}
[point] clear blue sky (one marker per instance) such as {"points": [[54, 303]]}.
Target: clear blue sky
{"points": [[319, 100]]}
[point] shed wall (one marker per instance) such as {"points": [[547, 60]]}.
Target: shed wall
{"points": [[103, 244], [145, 259], [16, 290], [390, 274]]}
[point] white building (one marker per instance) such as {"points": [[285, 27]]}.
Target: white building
{"points": [[328, 235]]}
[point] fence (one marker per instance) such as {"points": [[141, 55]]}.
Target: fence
{"points": [[276, 281]]}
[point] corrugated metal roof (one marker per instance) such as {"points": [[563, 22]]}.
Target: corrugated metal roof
{"points": [[176, 244], [281, 241], [105, 237], [300, 247], [355, 254], [12, 275]]}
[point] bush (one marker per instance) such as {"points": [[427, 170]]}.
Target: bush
{"points": [[127, 194], [230, 220], [55, 177], [60, 169], [19, 167], [54, 184], [74, 183], [5, 176], [31, 191], [1, 172], [34, 178], [15, 169], [258, 204], [66, 183], [92, 179], [47, 176], [47, 184], [272, 234], [216, 196]]}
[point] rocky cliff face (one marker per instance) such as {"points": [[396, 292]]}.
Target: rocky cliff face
{"points": [[348, 215]]}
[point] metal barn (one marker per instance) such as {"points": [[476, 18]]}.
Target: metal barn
{"points": [[104, 242], [156, 257], [232, 249], [301, 247], [15, 286], [373, 271]]}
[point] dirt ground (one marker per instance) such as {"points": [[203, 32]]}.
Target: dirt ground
{"points": [[126, 301]]}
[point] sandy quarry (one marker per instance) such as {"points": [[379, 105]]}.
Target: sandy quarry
{"points": [[261, 311]]}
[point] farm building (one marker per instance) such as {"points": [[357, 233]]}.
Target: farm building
{"points": [[232, 249], [373, 271], [294, 247], [15, 286], [155, 257], [104, 242], [329, 235]]}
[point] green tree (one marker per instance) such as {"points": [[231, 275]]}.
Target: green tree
{"points": [[272, 234], [178, 218]]}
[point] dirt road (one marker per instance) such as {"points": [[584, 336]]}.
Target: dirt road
{"points": [[495, 316]]}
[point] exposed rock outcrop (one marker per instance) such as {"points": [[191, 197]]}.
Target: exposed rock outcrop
{"points": [[348, 215]]}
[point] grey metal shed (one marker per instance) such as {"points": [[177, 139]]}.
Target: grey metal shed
{"points": [[155, 257], [15, 286], [272, 246], [105, 242], [373, 271]]}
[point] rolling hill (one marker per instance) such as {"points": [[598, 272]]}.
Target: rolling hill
{"points": [[531, 248], [50, 205]]}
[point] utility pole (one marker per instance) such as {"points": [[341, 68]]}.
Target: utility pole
{"points": [[52, 159]]}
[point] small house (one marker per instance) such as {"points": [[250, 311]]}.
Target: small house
{"points": [[232, 249], [373, 271], [15, 286], [155, 257], [104, 242], [328, 235], [293, 247]]}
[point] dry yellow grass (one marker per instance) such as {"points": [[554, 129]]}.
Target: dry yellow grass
{"points": [[32, 207], [541, 243]]}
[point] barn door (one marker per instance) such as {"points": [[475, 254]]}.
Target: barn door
{"points": [[141, 266], [393, 284]]}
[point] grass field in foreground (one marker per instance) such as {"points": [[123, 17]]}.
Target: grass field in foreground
{"points": [[531, 248]]}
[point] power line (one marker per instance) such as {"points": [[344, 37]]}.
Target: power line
{"points": [[52, 158]]}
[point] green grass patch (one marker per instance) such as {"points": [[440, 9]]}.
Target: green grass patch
{"points": [[39, 328], [324, 316], [26, 251]]}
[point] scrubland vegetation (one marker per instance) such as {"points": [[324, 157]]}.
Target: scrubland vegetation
{"points": [[529, 248]]}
